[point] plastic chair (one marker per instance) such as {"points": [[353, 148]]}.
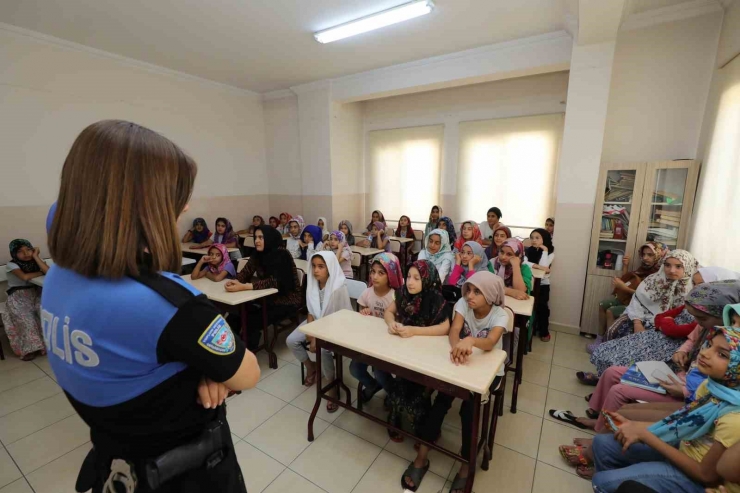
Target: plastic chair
{"points": [[241, 264], [355, 288], [419, 235], [356, 263]]}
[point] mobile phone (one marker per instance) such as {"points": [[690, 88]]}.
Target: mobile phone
{"points": [[611, 421]]}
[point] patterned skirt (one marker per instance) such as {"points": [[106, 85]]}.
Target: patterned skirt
{"points": [[22, 321], [649, 345]]}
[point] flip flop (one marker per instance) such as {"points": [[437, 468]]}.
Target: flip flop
{"points": [[587, 378], [395, 437], [573, 454], [566, 417], [545, 338], [310, 380], [332, 407], [590, 413], [458, 484], [416, 474]]}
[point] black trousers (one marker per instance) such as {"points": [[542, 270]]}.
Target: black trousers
{"points": [[542, 311], [275, 314]]}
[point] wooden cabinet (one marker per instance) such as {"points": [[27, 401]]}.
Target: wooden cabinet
{"points": [[635, 203]]}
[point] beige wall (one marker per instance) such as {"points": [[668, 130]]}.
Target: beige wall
{"points": [[49, 92], [283, 150], [347, 163]]}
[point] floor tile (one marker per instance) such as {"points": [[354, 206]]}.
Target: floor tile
{"points": [[263, 360], [508, 471], [258, 469], [572, 342], [11, 362], [336, 461], [363, 428], [530, 399], [43, 363], [385, 475], [19, 376], [440, 463], [33, 418], [554, 435], [282, 351], [284, 436], [250, 409], [48, 444], [306, 401], [565, 402], [542, 351], [284, 384], [536, 372], [8, 470], [25, 395], [18, 486], [568, 358], [61, 474], [519, 432], [564, 380], [548, 479], [290, 482]]}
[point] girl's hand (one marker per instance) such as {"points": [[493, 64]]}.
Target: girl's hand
{"points": [[630, 432], [36, 251], [311, 344], [543, 248], [625, 260], [379, 234], [204, 259], [405, 331], [681, 358], [458, 259], [673, 386], [366, 311], [638, 327], [233, 286], [515, 261], [518, 295], [474, 262], [462, 351], [211, 394], [392, 327]]}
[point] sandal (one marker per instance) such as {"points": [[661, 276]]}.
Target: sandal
{"points": [[566, 417], [416, 474], [545, 338], [310, 379], [587, 378], [458, 484], [28, 357], [591, 414], [332, 407], [395, 437], [590, 348], [588, 397], [573, 455], [585, 472]]}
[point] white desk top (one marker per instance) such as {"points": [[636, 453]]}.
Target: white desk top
{"points": [[395, 238], [187, 261], [215, 291], [301, 264], [39, 281], [538, 274], [520, 307], [186, 248], [366, 251], [426, 355]]}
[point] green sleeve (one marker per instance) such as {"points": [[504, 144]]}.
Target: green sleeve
{"points": [[527, 276]]}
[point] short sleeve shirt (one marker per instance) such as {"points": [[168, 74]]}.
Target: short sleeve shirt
{"points": [[486, 231], [378, 304], [481, 327], [13, 280]]}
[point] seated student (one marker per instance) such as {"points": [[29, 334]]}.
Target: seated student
{"points": [[709, 274], [510, 266], [198, 234], [480, 321], [446, 224], [377, 216], [490, 225], [469, 231], [21, 319], [270, 266], [550, 226], [437, 250], [310, 242], [256, 221], [680, 453], [216, 266], [283, 226], [337, 243], [470, 259], [377, 238], [434, 216], [294, 231], [500, 235], [274, 222], [346, 228], [326, 293], [385, 278], [321, 223], [224, 234], [541, 255], [404, 230]]}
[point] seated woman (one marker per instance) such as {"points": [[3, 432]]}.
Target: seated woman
{"points": [[215, 266], [490, 225], [377, 238], [658, 293], [500, 235], [469, 231], [446, 224], [437, 250], [509, 265], [271, 266]]}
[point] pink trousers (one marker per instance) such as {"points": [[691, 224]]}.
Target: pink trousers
{"points": [[612, 395]]}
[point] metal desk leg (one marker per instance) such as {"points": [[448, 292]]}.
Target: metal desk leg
{"points": [[518, 322], [318, 391], [473, 452], [340, 376], [271, 356]]}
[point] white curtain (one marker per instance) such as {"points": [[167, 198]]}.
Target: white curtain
{"points": [[510, 163], [403, 171], [714, 237]]}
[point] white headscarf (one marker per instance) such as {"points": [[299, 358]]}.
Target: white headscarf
{"points": [[324, 231], [336, 296], [711, 274]]}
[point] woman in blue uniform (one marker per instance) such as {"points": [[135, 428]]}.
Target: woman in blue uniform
{"points": [[145, 359]]}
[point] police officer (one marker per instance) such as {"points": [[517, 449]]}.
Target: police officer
{"points": [[145, 359]]}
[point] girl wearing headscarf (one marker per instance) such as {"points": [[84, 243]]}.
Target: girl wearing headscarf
{"points": [[21, 318], [469, 260], [326, 293], [446, 224], [225, 234], [479, 321], [437, 250], [680, 452], [404, 230], [310, 242], [274, 222], [489, 226], [469, 231], [500, 235], [434, 216], [540, 256], [377, 238], [376, 216], [216, 266], [270, 266], [256, 221], [283, 225], [346, 228], [337, 243], [321, 223], [198, 234], [658, 293], [294, 230], [509, 265]]}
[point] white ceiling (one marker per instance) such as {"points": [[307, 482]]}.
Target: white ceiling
{"points": [[265, 45]]}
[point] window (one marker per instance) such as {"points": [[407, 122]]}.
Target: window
{"points": [[510, 163], [403, 171]]}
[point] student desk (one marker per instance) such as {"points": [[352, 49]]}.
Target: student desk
{"points": [[39, 281], [215, 291], [187, 249], [522, 311], [424, 360], [367, 254]]}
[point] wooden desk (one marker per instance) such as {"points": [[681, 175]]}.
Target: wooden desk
{"points": [[424, 360], [215, 291], [367, 254], [522, 312], [188, 248]]}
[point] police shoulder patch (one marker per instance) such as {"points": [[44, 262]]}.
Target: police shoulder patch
{"points": [[218, 338]]}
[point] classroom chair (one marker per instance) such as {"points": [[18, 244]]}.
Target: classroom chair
{"points": [[527, 242], [419, 242], [356, 264], [241, 264]]}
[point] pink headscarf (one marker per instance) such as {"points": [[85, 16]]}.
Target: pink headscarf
{"points": [[505, 271], [491, 285], [225, 261], [392, 267]]}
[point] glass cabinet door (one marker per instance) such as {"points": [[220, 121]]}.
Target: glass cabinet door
{"points": [[616, 218], [666, 206]]}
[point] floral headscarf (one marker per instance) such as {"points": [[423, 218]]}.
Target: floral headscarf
{"points": [[301, 224], [450, 228], [204, 235], [427, 307], [711, 298], [477, 237], [226, 264], [492, 249], [382, 220], [229, 235], [392, 268], [28, 267], [660, 250], [444, 249], [288, 217], [374, 239], [505, 271], [342, 243]]}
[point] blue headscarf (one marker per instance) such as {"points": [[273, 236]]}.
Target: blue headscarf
{"points": [[316, 235]]}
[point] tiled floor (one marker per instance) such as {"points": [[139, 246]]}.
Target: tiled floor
{"points": [[44, 442]]}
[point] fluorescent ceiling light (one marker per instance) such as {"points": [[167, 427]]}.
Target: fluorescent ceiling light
{"points": [[376, 21]]}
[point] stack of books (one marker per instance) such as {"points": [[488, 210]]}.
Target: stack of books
{"points": [[668, 218], [610, 216], [619, 186]]}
